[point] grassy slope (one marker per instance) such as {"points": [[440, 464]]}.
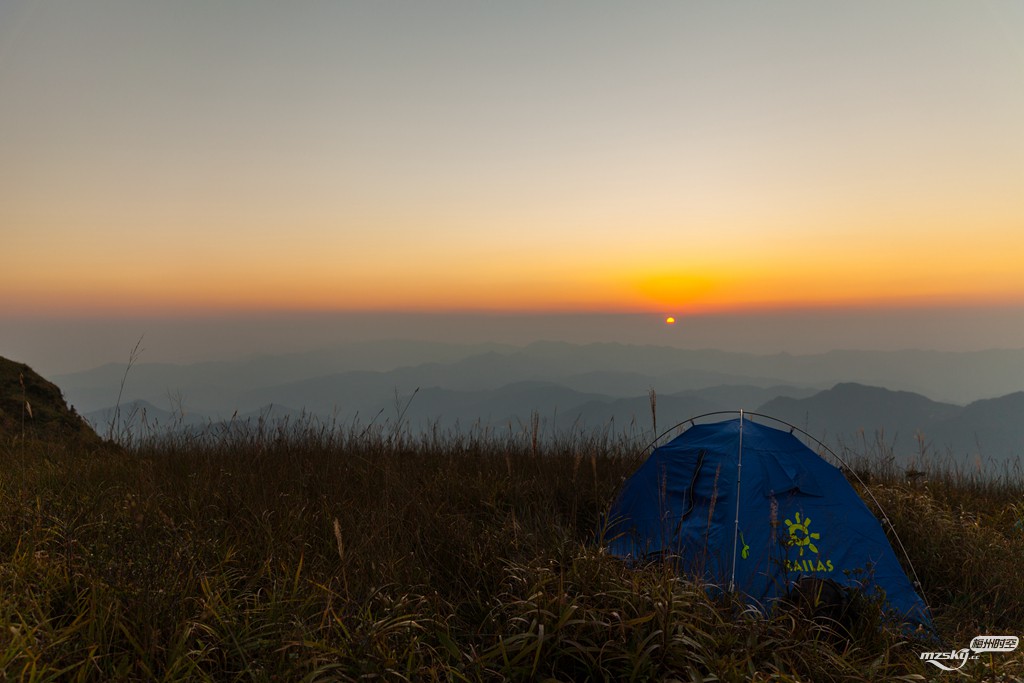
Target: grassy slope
{"points": [[266, 556], [31, 409]]}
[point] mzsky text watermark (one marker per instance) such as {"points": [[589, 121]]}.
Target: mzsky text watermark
{"points": [[954, 660]]}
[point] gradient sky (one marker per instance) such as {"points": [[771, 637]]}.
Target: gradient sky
{"points": [[237, 157], [183, 156]]}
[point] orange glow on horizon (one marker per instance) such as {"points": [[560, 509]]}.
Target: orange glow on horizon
{"points": [[767, 275], [104, 298]]}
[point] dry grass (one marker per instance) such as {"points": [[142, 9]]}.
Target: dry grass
{"points": [[312, 553]]}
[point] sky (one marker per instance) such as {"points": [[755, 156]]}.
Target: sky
{"points": [[241, 160]]}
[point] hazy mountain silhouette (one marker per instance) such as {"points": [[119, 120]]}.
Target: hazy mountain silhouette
{"points": [[594, 386], [613, 369], [141, 418], [849, 408], [215, 385], [858, 416], [988, 428], [618, 370], [510, 405]]}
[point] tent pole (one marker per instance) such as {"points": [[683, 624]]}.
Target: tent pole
{"points": [[736, 527]]}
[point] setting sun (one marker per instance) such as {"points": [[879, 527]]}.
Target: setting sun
{"points": [[670, 320]]}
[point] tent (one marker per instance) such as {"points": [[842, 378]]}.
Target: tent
{"points": [[750, 508]]}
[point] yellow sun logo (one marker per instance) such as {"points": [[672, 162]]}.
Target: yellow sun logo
{"points": [[803, 539]]}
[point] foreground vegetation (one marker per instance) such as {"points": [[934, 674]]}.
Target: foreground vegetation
{"points": [[321, 554]]}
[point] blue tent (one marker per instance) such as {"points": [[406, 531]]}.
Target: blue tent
{"points": [[750, 508]]}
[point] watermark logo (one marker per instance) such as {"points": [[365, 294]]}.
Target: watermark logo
{"points": [[995, 643], [954, 660]]}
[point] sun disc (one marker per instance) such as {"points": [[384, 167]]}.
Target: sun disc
{"points": [[670, 320]]}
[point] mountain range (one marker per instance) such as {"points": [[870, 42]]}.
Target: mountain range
{"points": [[956, 404]]}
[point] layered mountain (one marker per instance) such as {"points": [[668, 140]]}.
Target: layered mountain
{"points": [[848, 397], [867, 419]]}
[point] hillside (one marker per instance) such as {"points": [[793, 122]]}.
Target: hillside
{"points": [[33, 409]]}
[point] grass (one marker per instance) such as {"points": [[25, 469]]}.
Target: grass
{"points": [[307, 552]]}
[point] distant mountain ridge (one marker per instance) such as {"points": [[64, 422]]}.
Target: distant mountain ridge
{"points": [[840, 394], [909, 423], [847, 415], [954, 377], [848, 408]]}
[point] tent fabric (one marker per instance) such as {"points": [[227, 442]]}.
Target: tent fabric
{"points": [[797, 517]]}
